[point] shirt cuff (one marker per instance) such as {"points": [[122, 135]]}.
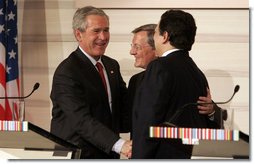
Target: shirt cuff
{"points": [[211, 116], [117, 147]]}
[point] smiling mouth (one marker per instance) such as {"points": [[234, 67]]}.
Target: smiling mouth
{"points": [[101, 44]]}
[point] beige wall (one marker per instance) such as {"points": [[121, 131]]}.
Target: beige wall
{"points": [[221, 49]]}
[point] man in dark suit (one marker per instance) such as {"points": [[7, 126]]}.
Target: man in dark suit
{"points": [[88, 101], [169, 82], [143, 50]]}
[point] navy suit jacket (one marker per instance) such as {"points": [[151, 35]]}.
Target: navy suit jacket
{"points": [[81, 112], [169, 83]]}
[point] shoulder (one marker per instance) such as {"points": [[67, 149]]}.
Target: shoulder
{"points": [[158, 64], [174, 59], [137, 76], [70, 60], [136, 80], [110, 63], [109, 59], [73, 63]]}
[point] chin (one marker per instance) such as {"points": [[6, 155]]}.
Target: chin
{"points": [[100, 52], [137, 65]]}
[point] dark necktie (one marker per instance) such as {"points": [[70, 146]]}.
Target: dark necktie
{"points": [[100, 69]]}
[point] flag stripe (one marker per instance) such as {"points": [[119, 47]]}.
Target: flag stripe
{"points": [[9, 70]]}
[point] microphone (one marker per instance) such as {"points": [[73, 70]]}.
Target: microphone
{"points": [[237, 87], [183, 108], [36, 86]]}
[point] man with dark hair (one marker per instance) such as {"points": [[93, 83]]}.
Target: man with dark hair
{"points": [[169, 82]]}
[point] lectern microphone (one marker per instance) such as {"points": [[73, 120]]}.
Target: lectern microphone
{"points": [[184, 107], [237, 87], [36, 86]]}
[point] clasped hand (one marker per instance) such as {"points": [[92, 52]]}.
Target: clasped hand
{"points": [[127, 149]]}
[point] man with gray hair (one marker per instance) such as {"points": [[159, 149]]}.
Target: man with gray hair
{"points": [[88, 91]]}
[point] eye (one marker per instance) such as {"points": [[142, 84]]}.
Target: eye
{"points": [[136, 47], [96, 30]]}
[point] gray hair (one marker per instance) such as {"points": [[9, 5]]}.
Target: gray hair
{"points": [[79, 19], [149, 28]]}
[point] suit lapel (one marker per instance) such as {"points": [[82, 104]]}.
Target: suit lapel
{"points": [[91, 73]]}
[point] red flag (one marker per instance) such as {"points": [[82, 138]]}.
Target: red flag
{"points": [[9, 70]]}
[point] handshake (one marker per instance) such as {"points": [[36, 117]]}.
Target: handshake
{"points": [[127, 149]]}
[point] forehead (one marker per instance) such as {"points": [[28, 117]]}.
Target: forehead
{"points": [[97, 20], [140, 36]]}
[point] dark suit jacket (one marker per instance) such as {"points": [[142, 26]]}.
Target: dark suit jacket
{"points": [[134, 83], [169, 83], [81, 112]]}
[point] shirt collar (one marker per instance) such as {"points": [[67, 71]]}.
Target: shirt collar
{"points": [[169, 52], [90, 58]]}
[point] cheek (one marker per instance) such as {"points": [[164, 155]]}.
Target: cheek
{"points": [[156, 44], [138, 60], [108, 35]]}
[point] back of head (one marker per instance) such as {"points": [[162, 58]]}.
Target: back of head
{"points": [[181, 28], [79, 19], [149, 28]]}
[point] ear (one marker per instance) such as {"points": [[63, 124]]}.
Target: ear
{"points": [[165, 37], [78, 35]]}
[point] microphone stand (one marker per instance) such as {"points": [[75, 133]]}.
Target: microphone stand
{"points": [[183, 108], [18, 113], [36, 86]]}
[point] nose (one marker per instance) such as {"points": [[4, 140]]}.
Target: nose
{"points": [[133, 51], [103, 35]]}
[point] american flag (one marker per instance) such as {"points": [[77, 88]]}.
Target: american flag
{"points": [[9, 70]]}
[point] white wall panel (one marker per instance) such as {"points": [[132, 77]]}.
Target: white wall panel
{"points": [[221, 49], [164, 3]]}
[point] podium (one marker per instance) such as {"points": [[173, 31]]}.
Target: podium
{"points": [[207, 143], [29, 141], [221, 149]]}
